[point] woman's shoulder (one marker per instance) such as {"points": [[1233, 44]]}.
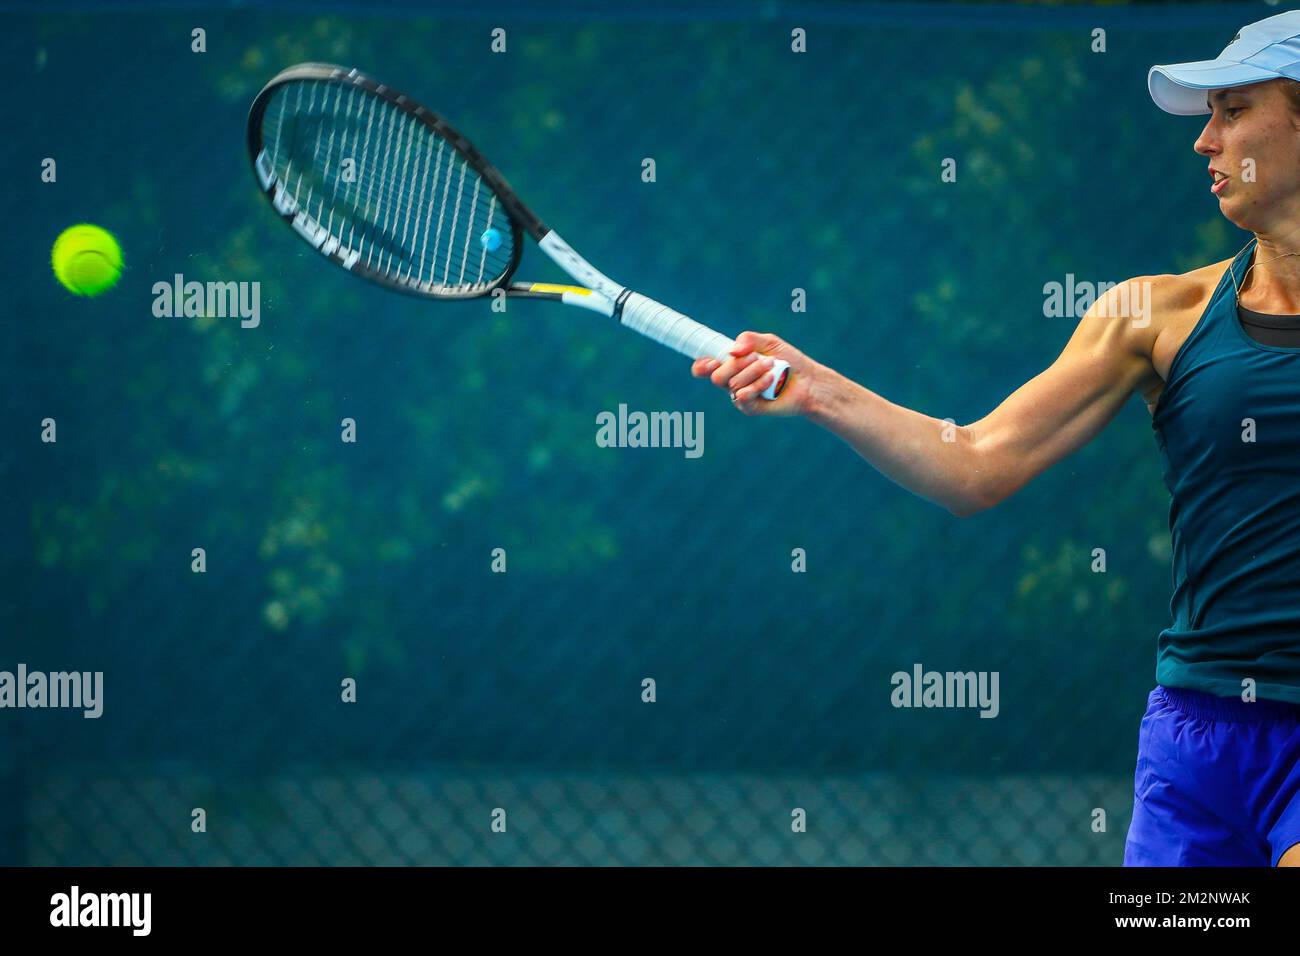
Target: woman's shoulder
{"points": [[1187, 290]]}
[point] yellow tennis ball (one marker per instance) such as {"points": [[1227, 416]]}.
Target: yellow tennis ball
{"points": [[87, 259]]}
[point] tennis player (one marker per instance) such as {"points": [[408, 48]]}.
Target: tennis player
{"points": [[1215, 354]]}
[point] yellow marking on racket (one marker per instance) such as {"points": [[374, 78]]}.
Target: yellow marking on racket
{"points": [[550, 287]]}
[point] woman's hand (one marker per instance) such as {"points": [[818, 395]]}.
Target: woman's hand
{"points": [[749, 371]]}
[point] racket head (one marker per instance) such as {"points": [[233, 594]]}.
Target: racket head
{"points": [[416, 211]]}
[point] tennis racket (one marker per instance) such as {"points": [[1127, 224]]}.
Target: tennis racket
{"points": [[391, 192]]}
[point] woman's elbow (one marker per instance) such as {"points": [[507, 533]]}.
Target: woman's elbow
{"points": [[977, 496], [967, 508]]}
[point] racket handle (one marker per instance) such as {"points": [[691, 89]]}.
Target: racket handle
{"points": [[683, 334]]}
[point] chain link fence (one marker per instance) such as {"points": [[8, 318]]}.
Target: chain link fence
{"points": [[772, 738]]}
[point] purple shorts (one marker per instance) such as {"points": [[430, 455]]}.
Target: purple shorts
{"points": [[1217, 782]]}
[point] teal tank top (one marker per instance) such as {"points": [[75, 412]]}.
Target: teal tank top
{"points": [[1228, 428]]}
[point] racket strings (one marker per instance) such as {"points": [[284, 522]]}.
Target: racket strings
{"points": [[387, 188]]}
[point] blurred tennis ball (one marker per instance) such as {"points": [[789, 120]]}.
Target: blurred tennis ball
{"points": [[491, 240], [87, 259]]}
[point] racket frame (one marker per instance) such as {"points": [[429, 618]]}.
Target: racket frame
{"points": [[598, 293], [520, 216]]}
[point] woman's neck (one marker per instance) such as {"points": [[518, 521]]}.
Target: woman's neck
{"points": [[1272, 285]]}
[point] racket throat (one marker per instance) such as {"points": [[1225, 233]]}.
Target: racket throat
{"points": [[567, 258]]}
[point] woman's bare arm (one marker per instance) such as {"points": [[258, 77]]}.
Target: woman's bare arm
{"points": [[972, 467]]}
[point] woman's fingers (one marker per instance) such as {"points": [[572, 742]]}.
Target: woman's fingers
{"points": [[748, 342], [726, 371], [747, 376], [751, 370], [747, 399]]}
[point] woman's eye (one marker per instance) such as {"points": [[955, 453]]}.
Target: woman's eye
{"points": [[1232, 111]]}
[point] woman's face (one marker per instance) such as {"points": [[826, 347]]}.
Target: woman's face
{"points": [[1253, 143]]}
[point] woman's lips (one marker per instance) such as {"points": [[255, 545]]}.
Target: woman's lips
{"points": [[1218, 187]]}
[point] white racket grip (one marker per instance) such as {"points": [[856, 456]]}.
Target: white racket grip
{"points": [[683, 334]]}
